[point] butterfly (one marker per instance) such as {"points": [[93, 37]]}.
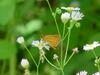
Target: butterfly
{"points": [[53, 40]]}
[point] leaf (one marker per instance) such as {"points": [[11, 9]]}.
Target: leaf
{"points": [[7, 49], [33, 25], [7, 8]]}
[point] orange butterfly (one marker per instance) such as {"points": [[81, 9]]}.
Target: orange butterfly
{"points": [[53, 40]]}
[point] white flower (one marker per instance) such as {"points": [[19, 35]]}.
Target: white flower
{"points": [[97, 73], [65, 17], [41, 44], [55, 56], [96, 44], [67, 8], [76, 9], [76, 15], [20, 40], [71, 8], [25, 63], [88, 47], [82, 73], [75, 50]]}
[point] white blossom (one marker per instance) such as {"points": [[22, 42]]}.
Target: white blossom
{"points": [[82, 73], [67, 8], [76, 9], [70, 8], [76, 15], [41, 44], [55, 56], [97, 73], [65, 17], [20, 40], [96, 44], [88, 47], [25, 63]]}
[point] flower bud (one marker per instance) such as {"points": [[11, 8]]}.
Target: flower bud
{"points": [[75, 50], [25, 63], [55, 56], [65, 17], [20, 40]]}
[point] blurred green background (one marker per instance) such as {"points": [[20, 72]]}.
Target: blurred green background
{"points": [[33, 19]]}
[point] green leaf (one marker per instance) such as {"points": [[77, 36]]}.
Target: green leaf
{"points": [[7, 49], [33, 25], [7, 8]]}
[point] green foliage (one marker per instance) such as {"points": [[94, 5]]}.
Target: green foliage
{"points": [[7, 49], [33, 19], [31, 26], [7, 8]]}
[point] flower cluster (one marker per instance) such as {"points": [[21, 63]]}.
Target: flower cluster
{"points": [[92, 46], [85, 73], [82, 73], [71, 14], [97, 73], [41, 44]]}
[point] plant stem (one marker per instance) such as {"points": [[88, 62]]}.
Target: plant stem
{"points": [[98, 66], [94, 54], [54, 16], [65, 36], [62, 72], [69, 58], [62, 45], [69, 33], [38, 67], [51, 64], [58, 62], [37, 70], [30, 54]]}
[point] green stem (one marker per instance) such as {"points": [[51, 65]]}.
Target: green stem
{"points": [[96, 59], [65, 36], [51, 64], [98, 67], [69, 32], [62, 72], [62, 45], [58, 62], [37, 70], [54, 16], [38, 67], [30, 54], [94, 54], [69, 58]]}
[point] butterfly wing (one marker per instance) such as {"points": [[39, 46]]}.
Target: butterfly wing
{"points": [[53, 40]]}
